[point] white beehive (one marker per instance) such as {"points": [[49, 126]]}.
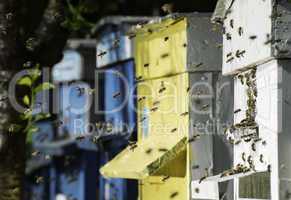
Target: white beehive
{"points": [[255, 31], [260, 135], [263, 146]]}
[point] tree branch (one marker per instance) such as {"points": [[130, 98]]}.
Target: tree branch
{"points": [[9, 54], [49, 39]]}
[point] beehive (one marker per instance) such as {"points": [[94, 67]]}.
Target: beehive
{"points": [[178, 60], [265, 137], [257, 50], [255, 31]]}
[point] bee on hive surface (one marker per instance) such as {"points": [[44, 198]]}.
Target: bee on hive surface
{"points": [[253, 37], [231, 23], [163, 149], [102, 53], [240, 31], [237, 111], [228, 36], [174, 194], [165, 178], [149, 151]]}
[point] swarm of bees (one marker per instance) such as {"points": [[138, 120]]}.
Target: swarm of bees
{"points": [[236, 170]]}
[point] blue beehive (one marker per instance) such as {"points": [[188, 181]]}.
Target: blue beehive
{"points": [[67, 160], [74, 176]]}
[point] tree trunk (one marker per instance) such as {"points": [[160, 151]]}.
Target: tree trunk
{"points": [[12, 167], [49, 40]]}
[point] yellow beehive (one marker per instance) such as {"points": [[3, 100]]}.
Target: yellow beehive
{"points": [[166, 53]]}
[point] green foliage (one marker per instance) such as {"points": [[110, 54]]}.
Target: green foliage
{"points": [[26, 100], [30, 131], [74, 18], [43, 87], [34, 73], [25, 81], [41, 116]]}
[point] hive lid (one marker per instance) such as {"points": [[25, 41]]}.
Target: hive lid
{"points": [[146, 158]]}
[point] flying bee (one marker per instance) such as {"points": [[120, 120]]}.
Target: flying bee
{"points": [[146, 65], [241, 78], [163, 150], [237, 111], [174, 130], [117, 94], [174, 194], [205, 107], [197, 190], [254, 146], [239, 53], [194, 138], [185, 114], [230, 60], [257, 140], [149, 151], [243, 157], [165, 55], [138, 78], [154, 109], [156, 103], [165, 178], [142, 119], [240, 31], [166, 39], [253, 37], [131, 35], [195, 167], [229, 54], [202, 179], [198, 65], [269, 168], [262, 158], [162, 89], [102, 53], [228, 36], [132, 147], [142, 98], [231, 23], [250, 160], [237, 142]]}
